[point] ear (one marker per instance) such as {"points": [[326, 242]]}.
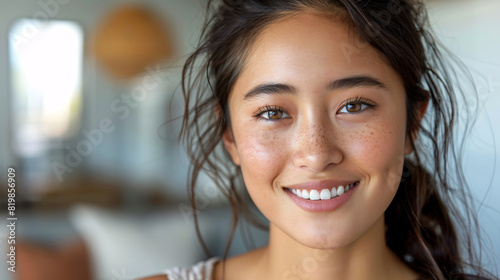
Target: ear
{"points": [[421, 112], [230, 145]]}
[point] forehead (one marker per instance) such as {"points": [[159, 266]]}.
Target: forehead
{"points": [[309, 47]]}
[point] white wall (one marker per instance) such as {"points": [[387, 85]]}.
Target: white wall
{"points": [[470, 29]]}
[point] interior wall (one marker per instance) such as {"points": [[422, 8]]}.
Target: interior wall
{"points": [[135, 149], [469, 29]]}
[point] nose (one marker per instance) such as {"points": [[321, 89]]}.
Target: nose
{"points": [[316, 146]]}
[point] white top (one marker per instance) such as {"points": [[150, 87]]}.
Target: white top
{"points": [[200, 271]]}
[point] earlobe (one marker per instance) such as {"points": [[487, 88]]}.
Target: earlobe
{"points": [[230, 145], [421, 112], [423, 107], [408, 147]]}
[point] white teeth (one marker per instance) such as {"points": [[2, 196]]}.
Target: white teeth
{"points": [[299, 193], [325, 194], [305, 194], [340, 190], [314, 195]]}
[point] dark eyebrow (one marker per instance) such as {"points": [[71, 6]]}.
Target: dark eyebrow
{"points": [[344, 83], [270, 89], [355, 81]]}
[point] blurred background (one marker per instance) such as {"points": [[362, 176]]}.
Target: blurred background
{"points": [[86, 90]]}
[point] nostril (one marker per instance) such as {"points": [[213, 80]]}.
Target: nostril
{"points": [[317, 159]]}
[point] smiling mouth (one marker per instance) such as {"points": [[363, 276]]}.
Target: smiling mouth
{"points": [[324, 194]]}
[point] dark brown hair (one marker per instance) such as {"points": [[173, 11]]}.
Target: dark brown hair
{"points": [[422, 219]]}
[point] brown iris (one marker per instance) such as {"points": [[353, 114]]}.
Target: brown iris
{"points": [[353, 107], [274, 114]]}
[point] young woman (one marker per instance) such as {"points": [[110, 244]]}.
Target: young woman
{"points": [[339, 116]]}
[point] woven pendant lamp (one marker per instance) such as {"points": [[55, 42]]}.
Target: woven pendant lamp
{"points": [[129, 39]]}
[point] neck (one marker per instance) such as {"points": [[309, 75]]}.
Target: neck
{"points": [[366, 258]]}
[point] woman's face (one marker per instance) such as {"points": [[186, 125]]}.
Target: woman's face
{"points": [[317, 109]]}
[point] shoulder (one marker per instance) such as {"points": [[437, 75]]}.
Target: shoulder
{"points": [[249, 265], [158, 277]]}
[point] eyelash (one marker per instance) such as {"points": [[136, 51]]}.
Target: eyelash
{"points": [[269, 108], [358, 100], [351, 101]]}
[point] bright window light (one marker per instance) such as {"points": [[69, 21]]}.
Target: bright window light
{"points": [[46, 78]]}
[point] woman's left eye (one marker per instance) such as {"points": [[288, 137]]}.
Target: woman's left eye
{"points": [[355, 106]]}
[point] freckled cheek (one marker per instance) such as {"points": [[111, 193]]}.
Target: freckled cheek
{"points": [[263, 154], [378, 147]]}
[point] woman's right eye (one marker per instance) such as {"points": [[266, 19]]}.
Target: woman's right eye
{"points": [[272, 113]]}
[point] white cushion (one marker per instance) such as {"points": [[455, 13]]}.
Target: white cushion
{"points": [[125, 246]]}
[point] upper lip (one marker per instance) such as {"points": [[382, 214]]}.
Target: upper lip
{"points": [[319, 185]]}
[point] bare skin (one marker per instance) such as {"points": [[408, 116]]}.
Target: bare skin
{"points": [[306, 131]]}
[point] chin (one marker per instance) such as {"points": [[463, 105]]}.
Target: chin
{"points": [[324, 238], [338, 235]]}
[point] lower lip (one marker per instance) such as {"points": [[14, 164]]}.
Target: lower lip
{"points": [[322, 205]]}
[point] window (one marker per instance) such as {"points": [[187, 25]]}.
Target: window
{"points": [[46, 83]]}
